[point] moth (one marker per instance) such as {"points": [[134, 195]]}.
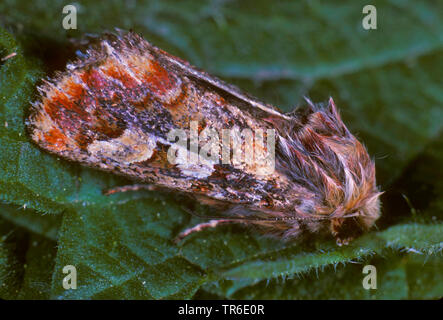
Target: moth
{"points": [[114, 108]]}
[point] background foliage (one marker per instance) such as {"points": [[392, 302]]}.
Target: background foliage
{"points": [[387, 83]]}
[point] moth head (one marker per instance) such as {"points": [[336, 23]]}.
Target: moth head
{"points": [[332, 169], [354, 199]]}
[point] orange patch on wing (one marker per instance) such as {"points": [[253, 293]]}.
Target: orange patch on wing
{"points": [[94, 79], [55, 139], [161, 82], [73, 89], [65, 112], [115, 71], [158, 80], [107, 128], [83, 140], [62, 100]]}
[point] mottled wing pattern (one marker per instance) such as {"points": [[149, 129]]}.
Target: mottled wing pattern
{"points": [[113, 109]]}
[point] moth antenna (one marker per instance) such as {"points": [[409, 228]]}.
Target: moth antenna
{"points": [[250, 218], [192, 213]]}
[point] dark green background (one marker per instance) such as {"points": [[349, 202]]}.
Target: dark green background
{"points": [[386, 82]]}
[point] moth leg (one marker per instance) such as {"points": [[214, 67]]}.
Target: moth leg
{"points": [[201, 226], [131, 187], [345, 230]]}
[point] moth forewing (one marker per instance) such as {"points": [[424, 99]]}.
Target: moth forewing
{"points": [[130, 108]]}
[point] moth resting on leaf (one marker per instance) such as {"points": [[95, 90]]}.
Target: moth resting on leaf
{"points": [[113, 108]]}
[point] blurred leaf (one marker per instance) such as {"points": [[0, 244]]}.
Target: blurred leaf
{"points": [[12, 251], [26, 263], [39, 266]]}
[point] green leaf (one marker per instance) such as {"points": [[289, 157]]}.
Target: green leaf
{"points": [[415, 238], [124, 251], [408, 276], [45, 225]]}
